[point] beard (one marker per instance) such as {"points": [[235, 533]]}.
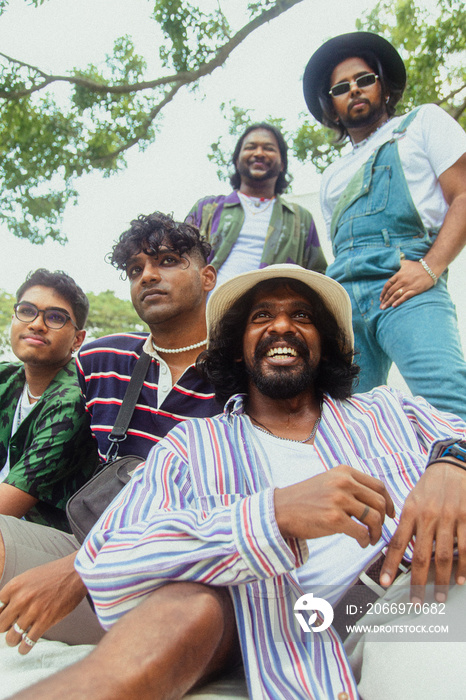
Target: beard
{"points": [[273, 171], [282, 382], [374, 114]]}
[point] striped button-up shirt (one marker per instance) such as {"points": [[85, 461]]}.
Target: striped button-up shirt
{"points": [[201, 509]]}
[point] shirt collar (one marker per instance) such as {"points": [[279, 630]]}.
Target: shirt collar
{"points": [[233, 198], [235, 405], [149, 349]]}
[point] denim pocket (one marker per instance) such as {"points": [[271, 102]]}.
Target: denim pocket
{"points": [[364, 263], [373, 198]]}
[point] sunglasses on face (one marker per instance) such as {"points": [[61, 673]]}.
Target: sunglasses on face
{"points": [[363, 81], [53, 318]]}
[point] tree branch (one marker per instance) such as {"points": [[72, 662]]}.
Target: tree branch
{"points": [[452, 94], [459, 111], [144, 128], [23, 64], [182, 78]]}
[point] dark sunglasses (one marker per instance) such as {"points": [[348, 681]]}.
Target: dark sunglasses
{"points": [[345, 86], [53, 318]]}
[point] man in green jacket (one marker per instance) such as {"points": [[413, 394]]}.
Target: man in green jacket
{"points": [[254, 226], [46, 447]]}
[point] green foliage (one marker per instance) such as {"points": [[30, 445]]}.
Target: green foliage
{"points": [[238, 119], [4, 4], [315, 143], [194, 35], [58, 127], [433, 48], [7, 301], [109, 314], [6, 309], [256, 7]]}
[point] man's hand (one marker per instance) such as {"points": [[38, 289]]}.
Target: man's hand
{"points": [[434, 512], [39, 598], [410, 280], [325, 504]]}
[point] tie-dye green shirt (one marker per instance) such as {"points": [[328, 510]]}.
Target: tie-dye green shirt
{"points": [[52, 453]]}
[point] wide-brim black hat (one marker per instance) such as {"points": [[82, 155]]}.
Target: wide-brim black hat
{"points": [[329, 55]]}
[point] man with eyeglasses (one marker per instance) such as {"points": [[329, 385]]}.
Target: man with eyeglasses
{"points": [[395, 208], [46, 448]]}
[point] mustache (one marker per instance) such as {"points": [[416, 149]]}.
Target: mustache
{"points": [[357, 99], [154, 289], [266, 343]]}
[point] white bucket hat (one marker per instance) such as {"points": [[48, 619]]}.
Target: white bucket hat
{"points": [[332, 293]]}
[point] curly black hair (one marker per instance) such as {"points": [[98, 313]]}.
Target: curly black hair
{"points": [[62, 284], [282, 181], [148, 233], [220, 363]]}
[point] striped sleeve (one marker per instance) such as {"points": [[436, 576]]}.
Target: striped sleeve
{"points": [[434, 429], [154, 533]]}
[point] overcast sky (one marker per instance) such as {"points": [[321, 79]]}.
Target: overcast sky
{"points": [[264, 73]]}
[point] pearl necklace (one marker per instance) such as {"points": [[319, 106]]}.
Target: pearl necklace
{"points": [[265, 430], [24, 402], [185, 349]]}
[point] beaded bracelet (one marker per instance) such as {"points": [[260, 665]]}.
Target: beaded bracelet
{"points": [[430, 272], [446, 459]]}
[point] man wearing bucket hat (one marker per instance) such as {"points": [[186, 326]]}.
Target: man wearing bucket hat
{"points": [[296, 488], [395, 208]]}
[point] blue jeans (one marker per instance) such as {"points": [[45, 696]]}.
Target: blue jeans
{"points": [[420, 336], [375, 226]]}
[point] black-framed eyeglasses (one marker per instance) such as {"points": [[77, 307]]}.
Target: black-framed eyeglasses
{"points": [[53, 318], [362, 81]]}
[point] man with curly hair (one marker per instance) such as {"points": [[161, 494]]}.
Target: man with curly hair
{"points": [[297, 488], [166, 264]]}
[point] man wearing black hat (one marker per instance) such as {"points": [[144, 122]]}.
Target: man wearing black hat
{"points": [[395, 208]]}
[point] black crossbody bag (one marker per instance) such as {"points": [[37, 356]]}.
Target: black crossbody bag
{"points": [[86, 506]]}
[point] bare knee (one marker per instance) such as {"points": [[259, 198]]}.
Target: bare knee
{"points": [[214, 621], [207, 643], [201, 619], [203, 606], [181, 636]]}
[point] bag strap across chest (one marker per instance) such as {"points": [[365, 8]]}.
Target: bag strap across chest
{"points": [[131, 396]]}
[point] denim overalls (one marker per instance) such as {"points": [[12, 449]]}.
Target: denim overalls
{"points": [[374, 226]]}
